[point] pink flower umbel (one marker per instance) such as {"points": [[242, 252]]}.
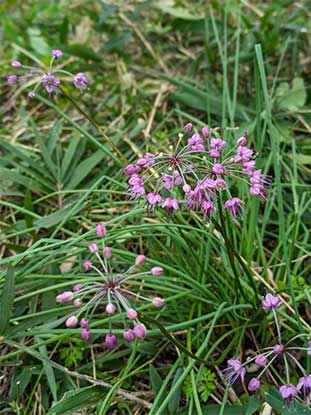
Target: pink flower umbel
{"points": [[110, 293], [234, 371], [192, 173], [49, 78]]}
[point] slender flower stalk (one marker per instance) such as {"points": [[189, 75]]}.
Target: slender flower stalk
{"points": [[111, 293]]}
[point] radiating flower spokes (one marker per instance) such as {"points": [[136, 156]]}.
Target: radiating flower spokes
{"points": [[111, 292], [289, 392], [49, 78], [193, 175]]}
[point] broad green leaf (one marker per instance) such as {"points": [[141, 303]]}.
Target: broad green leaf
{"points": [[19, 383], [74, 400], [38, 43], [291, 99], [253, 405], [174, 402], [6, 299], [54, 218], [84, 168], [155, 379]]}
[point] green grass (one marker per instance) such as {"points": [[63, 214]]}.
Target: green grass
{"points": [[228, 64]]}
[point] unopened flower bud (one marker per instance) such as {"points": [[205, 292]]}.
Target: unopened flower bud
{"points": [[100, 230], [84, 323], [110, 308], [71, 321], [77, 287], [261, 360], [254, 385], [93, 247], [132, 314], [157, 271], [140, 259], [188, 127], [110, 341], [87, 265], [206, 132], [129, 335], [85, 334], [158, 302], [16, 64], [65, 297], [107, 252], [77, 302], [140, 331], [186, 188]]}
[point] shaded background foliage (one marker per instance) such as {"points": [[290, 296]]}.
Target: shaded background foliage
{"points": [[152, 66]]}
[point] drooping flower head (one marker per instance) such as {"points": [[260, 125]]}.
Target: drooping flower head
{"points": [[196, 173], [234, 371], [48, 78], [110, 293], [271, 302]]}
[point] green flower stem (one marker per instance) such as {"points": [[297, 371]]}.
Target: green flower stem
{"points": [[231, 254], [94, 123]]}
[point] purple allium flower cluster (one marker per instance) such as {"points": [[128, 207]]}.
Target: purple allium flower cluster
{"points": [[48, 79], [289, 392], [194, 173], [110, 293]]}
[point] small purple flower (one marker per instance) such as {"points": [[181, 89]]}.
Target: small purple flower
{"points": [[31, 94], [234, 206], [154, 199], [57, 54], [207, 208], [188, 127], [218, 144], [271, 302], [157, 271], [243, 154], [288, 392], [87, 265], [140, 331], [305, 384], [50, 82], [234, 371], [254, 385], [110, 341], [93, 248], [129, 335], [279, 349], [77, 288], [84, 324], [171, 204], [12, 79], [80, 81], [131, 169], [85, 334], [16, 64], [218, 168], [196, 143], [261, 360]]}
